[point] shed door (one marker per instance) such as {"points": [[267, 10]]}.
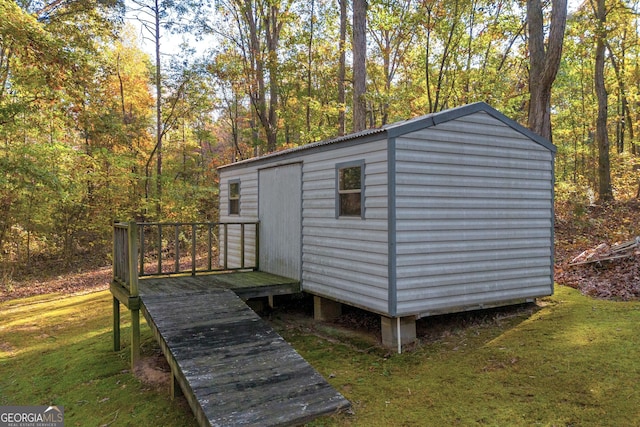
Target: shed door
{"points": [[280, 212]]}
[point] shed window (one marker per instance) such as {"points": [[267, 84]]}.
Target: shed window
{"points": [[350, 192], [234, 198]]}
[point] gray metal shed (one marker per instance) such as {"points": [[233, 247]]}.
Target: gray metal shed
{"points": [[447, 212]]}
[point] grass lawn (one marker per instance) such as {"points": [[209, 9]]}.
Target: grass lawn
{"points": [[571, 360], [58, 350]]}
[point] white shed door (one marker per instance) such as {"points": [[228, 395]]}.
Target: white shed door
{"points": [[280, 212]]}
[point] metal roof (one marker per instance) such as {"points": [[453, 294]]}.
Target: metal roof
{"points": [[406, 126]]}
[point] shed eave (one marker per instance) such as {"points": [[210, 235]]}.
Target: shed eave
{"points": [[364, 136]]}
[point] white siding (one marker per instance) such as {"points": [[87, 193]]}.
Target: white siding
{"points": [[474, 207], [346, 258], [248, 178]]}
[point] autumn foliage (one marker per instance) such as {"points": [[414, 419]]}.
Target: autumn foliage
{"points": [[78, 123]]}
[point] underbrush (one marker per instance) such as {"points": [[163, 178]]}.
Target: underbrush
{"points": [[579, 228]]}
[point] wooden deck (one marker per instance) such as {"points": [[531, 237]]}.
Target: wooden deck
{"points": [[233, 368], [249, 284]]}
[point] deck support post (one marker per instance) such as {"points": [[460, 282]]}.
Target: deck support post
{"points": [[116, 324], [135, 338], [397, 331], [134, 293], [325, 309], [175, 391]]}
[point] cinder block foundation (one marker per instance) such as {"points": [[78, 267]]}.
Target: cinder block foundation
{"points": [[325, 309], [390, 329]]}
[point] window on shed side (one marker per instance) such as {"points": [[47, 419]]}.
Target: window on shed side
{"points": [[350, 193], [234, 198]]}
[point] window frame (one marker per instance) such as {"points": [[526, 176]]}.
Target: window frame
{"points": [[231, 199], [348, 165]]}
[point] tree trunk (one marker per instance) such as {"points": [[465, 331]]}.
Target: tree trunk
{"points": [[263, 22], [467, 71], [450, 46], [158, 114], [427, 53], [273, 26], [605, 192], [544, 61], [359, 65], [624, 112], [309, 65], [342, 68]]}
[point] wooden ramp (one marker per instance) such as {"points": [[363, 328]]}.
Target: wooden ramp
{"points": [[233, 368]]}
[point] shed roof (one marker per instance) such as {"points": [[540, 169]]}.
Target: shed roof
{"points": [[406, 126]]}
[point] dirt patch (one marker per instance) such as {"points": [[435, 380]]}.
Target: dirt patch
{"points": [[360, 329], [154, 371], [360, 320], [7, 348], [68, 283]]}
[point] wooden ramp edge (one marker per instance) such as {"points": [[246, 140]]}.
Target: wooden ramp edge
{"points": [[233, 368]]}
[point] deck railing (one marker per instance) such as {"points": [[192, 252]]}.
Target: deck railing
{"points": [[166, 248], [125, 253]]}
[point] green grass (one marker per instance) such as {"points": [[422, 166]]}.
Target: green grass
{"points": [[571, 361], [58, 350], [574, 361]]}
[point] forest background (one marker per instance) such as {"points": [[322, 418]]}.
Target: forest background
{"points": [[93, 128]]}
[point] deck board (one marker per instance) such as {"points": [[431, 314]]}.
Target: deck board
{"points": [[250, 284], [236, 369]]}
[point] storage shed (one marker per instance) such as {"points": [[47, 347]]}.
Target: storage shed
{"points": [[447, 212]]}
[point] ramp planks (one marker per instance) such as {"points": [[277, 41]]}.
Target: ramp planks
{"points": [[234, 369]]}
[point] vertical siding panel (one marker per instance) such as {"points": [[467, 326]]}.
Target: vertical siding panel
{"points": [[279, 210]]}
